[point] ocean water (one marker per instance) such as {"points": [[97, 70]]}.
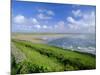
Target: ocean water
{"points": [[78, 42]]}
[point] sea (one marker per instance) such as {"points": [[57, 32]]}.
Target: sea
{"points": [[75, 42]]}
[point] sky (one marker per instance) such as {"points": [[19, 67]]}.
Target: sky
{"points": [[39, 17]]}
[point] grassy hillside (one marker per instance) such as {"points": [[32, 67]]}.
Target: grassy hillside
{"points": [[44, 58]]}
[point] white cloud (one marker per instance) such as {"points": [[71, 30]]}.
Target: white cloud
{"points": [[86, 24], [71, 20], [45, 26], [43, 16], [46, 11], [19, 19], [24, 23], [22, 20], [89, 18], [35, 21], [76, 13], [49, 12], [60, 26], [37, 26]]}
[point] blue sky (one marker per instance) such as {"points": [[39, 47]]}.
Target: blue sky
{"points": [[52, 17]]}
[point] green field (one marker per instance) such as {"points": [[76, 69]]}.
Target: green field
{"points": [[29, 57]]}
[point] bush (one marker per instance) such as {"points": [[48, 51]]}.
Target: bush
{"points": [[28, 67], [13, 65]]}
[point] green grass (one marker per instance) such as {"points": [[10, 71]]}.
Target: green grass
{"points": [[45, 58]]}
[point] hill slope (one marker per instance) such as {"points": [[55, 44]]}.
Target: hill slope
{"points": [[45, 58]]}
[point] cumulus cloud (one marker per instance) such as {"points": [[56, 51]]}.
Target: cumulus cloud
{"points": [[35, 21], [71, 20], [85, 24], [23, 23], [77, 22], [77, 13], [19, 19], [22, 20], [49, 12], [43, 16], [45, 26], [60, 26], [37, 26]]}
